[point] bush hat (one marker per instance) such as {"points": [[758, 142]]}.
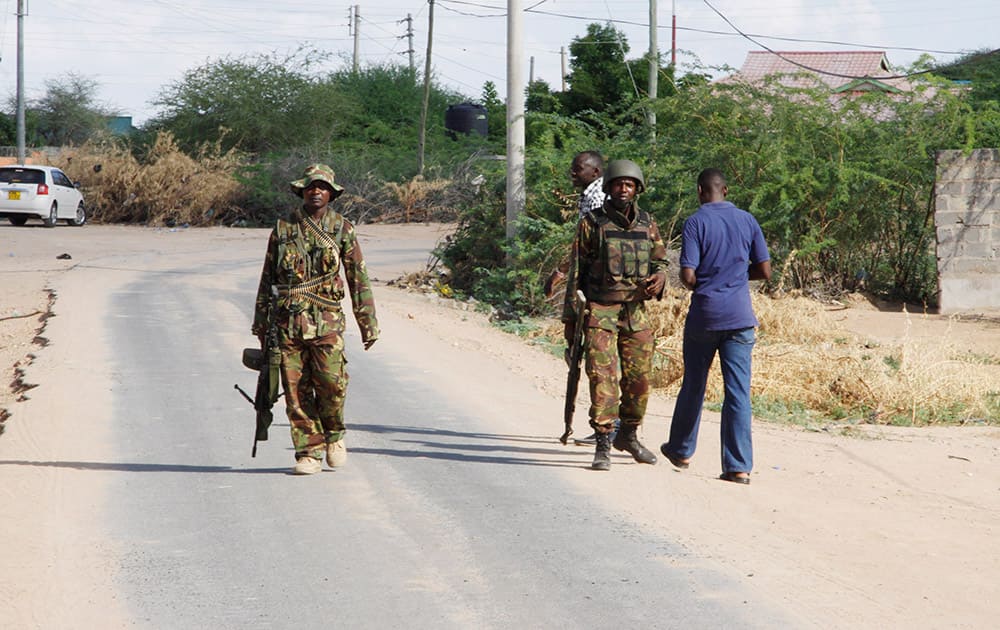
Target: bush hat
{"points": [[316, 172]]}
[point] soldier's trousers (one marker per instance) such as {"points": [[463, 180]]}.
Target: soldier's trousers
{"points": [[618, 347], [314, 375]]}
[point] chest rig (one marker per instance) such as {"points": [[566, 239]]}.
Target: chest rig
{"points": [[622, 258]]}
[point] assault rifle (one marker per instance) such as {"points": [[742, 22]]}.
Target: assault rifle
{"points": [[266, 361], [573, 356]]}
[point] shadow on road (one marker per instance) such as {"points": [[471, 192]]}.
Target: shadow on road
{"points": [[439, 444], [474, 447], [127, 467]]}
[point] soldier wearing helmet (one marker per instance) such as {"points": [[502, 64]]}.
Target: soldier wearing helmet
{"points": [[309, 256], [619, 263]]}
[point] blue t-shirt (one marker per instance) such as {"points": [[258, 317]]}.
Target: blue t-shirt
{"points": [[719, 242]]}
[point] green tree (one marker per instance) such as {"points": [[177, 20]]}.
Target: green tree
{"points": [[981, 71], [845, 192], [496, 114], [255, 103], [539, 98], [8, 130], [599, 79], [68, 112]]}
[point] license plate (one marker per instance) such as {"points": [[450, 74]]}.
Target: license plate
{"points": [[14, 195]]}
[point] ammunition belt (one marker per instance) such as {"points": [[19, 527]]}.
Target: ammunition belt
{"points": [[305, 291], [322, 235]]}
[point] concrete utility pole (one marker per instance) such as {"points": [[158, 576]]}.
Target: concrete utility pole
{"points": [[409, 40], [20, 82], [422, 141], [562, 66], [515, 117], [357, 30], [654, 67], [673, 35], [531, 69]]}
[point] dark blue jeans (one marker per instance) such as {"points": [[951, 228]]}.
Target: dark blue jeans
{"points": [[734, 348]]}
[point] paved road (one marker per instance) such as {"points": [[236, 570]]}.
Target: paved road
{"points": [[453, 512]]}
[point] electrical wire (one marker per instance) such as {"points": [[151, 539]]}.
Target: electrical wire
{"points": [[467, 14], [838, 74], [621, 46], [690, 29]]}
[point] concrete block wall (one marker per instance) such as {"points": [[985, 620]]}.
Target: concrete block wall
{"points": [[967, 221]]}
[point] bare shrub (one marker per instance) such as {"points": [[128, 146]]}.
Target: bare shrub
{"points": [[168, 188], [417, 198]]}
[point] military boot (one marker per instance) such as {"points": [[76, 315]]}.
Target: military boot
{"points": [[602, 455], [307, 466], [336, 453], [625, 440]]}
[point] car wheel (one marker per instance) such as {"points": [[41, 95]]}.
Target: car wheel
{"points": [[80, 218], [50, 221], [17, 220]]}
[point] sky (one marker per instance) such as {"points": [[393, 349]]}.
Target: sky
{"points": [[132, 49]]}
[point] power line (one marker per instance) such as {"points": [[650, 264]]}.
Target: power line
{"points": [[744, 35], [827, 72], [443, 4]]}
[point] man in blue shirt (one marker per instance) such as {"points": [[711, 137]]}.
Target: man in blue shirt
{"points": [[722, 249]]}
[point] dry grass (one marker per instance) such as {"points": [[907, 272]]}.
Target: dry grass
{"points": [[168, 188], [418, 198], [806, 366]]}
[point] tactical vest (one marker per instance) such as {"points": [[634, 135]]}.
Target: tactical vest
{"points": [[622, 260], [309, 269]]}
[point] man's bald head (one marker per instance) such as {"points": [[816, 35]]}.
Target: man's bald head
{"points": [[586, 167]]}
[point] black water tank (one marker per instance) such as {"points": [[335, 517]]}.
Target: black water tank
{"points": [[466, 118]]}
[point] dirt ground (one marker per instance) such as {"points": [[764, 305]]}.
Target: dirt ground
{"points": [[887, 527]]}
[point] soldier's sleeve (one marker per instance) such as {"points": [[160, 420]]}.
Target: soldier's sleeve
{"points": [[358, 284], [579, 260], [658, 256], [262, 303]]}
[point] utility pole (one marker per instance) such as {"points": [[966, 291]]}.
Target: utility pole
{"points": [[409, 40], [20, 82], [421, 142], [654, 67], [515, 117], [673, 36], [531, 69], [562, 66], [357, 30]]}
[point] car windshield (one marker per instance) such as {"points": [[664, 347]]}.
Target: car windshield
{"points": [[22, 176]]}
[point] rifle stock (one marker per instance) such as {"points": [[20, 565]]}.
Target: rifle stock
{"points": [[573, 356], [266, 361]]}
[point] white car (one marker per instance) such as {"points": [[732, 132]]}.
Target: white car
{"points": [[39, 192]]}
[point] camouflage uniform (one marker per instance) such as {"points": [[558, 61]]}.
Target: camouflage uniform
{"points": [[304, 259], [614, 255]]}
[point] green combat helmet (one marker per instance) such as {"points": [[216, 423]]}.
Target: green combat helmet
{"points": [[623, 168]]}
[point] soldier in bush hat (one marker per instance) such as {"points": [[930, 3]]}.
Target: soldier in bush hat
{"points": [[620, 262], [309, 256]]}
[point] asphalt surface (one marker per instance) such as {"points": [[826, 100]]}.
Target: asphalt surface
{"points": [[454, 510]]}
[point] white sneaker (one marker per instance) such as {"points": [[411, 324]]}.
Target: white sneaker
{"points": [[336, 453], [307, 466]]}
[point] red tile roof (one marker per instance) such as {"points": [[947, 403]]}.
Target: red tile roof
{"points": [[803, 69]]}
